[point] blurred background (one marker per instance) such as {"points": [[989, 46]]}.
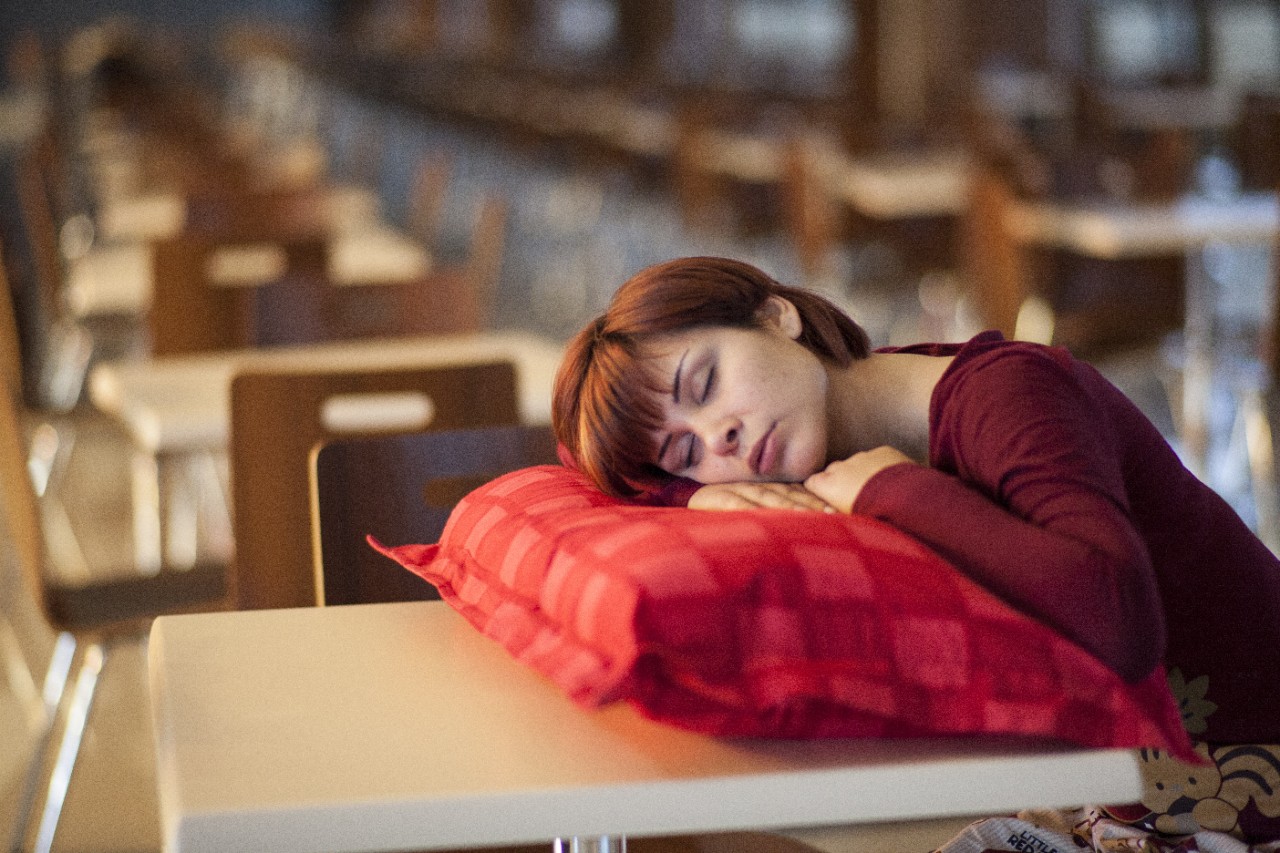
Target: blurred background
{"points": [[625, 132]]}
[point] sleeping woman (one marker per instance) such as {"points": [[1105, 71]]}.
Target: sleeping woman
{"points": [[708, 384]]}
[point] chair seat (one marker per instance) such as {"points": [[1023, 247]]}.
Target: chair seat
{"points": [[117, 605]]}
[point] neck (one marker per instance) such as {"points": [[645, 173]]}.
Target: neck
{"points": [[883, 400]]}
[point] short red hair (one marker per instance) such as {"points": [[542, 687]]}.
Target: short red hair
{"points": [[606, 406]]}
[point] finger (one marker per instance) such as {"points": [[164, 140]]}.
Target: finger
{"points": [[791, 496], [821, 488], [802, 498], [723, 499]]}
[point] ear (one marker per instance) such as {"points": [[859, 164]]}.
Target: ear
{"points": [[781, 314]]}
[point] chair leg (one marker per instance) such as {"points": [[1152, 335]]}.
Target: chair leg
{"points": [[590, 844], [213, 483], [74, 722], [18, 674], [51, 445], [54, 689]]}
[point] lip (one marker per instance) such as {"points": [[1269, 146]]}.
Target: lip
{"points": [[762, 449]]}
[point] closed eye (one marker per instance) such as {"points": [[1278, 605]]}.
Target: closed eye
{"points": [[711, 384], [676, 452], [688, 454]]}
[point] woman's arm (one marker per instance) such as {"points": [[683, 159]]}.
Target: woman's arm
{"points": [[1036, 510]]}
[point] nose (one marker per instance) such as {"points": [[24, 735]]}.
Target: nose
{"points": [[722, 436]]}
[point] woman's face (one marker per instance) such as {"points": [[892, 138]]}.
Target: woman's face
{"points": [[744, 404]]}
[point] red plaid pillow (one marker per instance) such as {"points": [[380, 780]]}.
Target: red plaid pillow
{"points": [[767, 622]]}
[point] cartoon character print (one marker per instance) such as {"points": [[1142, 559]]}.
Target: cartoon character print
{"points": [[1236, 792], [1193, 700]]}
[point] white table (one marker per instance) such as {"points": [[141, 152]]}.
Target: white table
{"points": [[178, 408], [904, 185], [398, 726], [183, 402], [114, 274], [888, 186], [1113, 231], [117, 278]]}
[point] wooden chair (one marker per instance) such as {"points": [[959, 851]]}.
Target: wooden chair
{"points": [[59, 344], [294, 299], [87, 617], [45, 406], [811, 218], [995, 266], [1254, 140], [1094, 305], [294, 302], [276, 420], [401, 489], [428, 197], [229, 314]]}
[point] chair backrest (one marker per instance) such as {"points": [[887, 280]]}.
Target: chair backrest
{"points": [[21, 512], [400, 489], [428, 196], [1270, 343], [1255, 135], [228, 315], [488, 248], [10, 344], [810, 213], [293, 301], [278, 417], [995, 267]]}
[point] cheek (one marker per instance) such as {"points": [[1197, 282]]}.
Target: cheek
{"points": [[804, 454], [810, 458], [810, 450]]}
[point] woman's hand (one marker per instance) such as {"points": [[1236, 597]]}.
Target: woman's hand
{"points": [[757, 496], [840, 482]]}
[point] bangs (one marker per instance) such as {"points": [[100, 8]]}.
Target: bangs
{"points": [[620, 412]]}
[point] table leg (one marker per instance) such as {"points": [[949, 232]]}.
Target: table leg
{"points": [[1197, 369], [172, 494], [148, 544], [1262, 470], [591, 844]]}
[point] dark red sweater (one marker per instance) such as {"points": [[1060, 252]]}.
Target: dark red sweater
{"points": [[1051, 488]]}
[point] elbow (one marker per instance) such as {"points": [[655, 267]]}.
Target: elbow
{"points": [[1131, 646], [1135, 643], [1138, 656]]}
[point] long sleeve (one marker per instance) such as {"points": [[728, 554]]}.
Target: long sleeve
{"points": [[1027, 497]]}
